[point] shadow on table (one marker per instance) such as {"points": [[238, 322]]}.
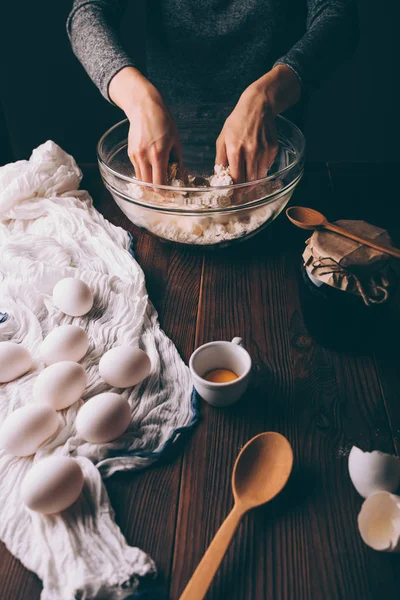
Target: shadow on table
{"points": [[300, 487], [265, 400]]}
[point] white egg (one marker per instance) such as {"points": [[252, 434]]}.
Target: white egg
{"points": [[28, 428], [373, 472], [52, 485], [60, 385], [67, 342], [103, 418], [73, 297], [379, 522], [15, 360], [124, 366]]}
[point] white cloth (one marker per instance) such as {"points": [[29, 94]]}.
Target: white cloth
{"points": [[50, 230]]}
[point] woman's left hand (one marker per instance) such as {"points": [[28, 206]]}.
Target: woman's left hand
{"points": [[248, 141]]}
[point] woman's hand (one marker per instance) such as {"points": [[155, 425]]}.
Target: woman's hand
{"points": [[153, 134], [248, 141]]}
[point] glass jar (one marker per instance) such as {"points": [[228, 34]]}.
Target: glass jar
{"points": [[346, 288], [338, 319]]}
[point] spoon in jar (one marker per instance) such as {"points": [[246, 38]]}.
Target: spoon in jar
{"points": [[308, 218], [260, 472]]}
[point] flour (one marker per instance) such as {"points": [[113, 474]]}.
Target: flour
{"points": [[210, 232], [204, 230], [191, 200], [207, 229]]}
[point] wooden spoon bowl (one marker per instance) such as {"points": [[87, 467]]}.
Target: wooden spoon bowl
{"points": [[260, 472], [305, 218]]}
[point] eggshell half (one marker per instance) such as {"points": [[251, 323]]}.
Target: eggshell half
{"points": [[52, 485], [373, 472], [15, 360], [28, 428], [73, 297], [124, 366], [379, 522], [67, 342], [103, 418], [60, 385]]}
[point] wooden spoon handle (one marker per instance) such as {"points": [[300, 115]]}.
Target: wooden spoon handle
{"points": [[202, 578], [387, 249]]}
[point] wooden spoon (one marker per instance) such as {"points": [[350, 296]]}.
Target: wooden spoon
{"points": [[308, 218], [261, 471]]}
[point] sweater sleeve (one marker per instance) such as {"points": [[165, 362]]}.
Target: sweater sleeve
{"points": [[92, 28], [332, 35]]}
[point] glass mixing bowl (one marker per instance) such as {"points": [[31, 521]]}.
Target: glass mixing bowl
{"points": [[201, 215]]}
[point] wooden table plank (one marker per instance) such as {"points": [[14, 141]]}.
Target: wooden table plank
{"points": [[369, 193], [16, 582], [366, 192], [354, 412], [173, 284], [150, 497], [242, 295], [306, 544], [373, 192], [340, 405]]}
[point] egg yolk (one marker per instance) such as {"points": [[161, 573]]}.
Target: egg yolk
{"points": [[220, 376]]}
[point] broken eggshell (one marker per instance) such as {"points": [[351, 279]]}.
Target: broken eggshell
{"points": [[373, 472], [379, 522]]}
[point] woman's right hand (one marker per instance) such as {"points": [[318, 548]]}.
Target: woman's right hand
{"points": [[153, 134]]}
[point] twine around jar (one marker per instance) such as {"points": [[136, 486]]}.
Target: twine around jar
{"points": [[379, 294]]}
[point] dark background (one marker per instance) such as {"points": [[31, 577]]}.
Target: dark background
{"points": [[45, 93]]}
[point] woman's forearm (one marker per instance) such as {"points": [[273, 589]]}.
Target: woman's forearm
{"points": [[281, 87], [130, 87], [92, 27], [153, 137]]}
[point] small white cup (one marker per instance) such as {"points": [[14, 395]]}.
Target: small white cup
{"points": [[221, 355]]}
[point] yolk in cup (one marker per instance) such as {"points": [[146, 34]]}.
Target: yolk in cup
{"points": [[220, 376]]}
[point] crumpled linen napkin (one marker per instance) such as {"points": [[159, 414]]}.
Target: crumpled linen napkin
{"points": [[50, 230]]}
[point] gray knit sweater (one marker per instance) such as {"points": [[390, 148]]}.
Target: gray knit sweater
{"points": [[210, 50]]}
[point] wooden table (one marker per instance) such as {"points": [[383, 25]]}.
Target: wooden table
{"points": [[305, 545]]}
